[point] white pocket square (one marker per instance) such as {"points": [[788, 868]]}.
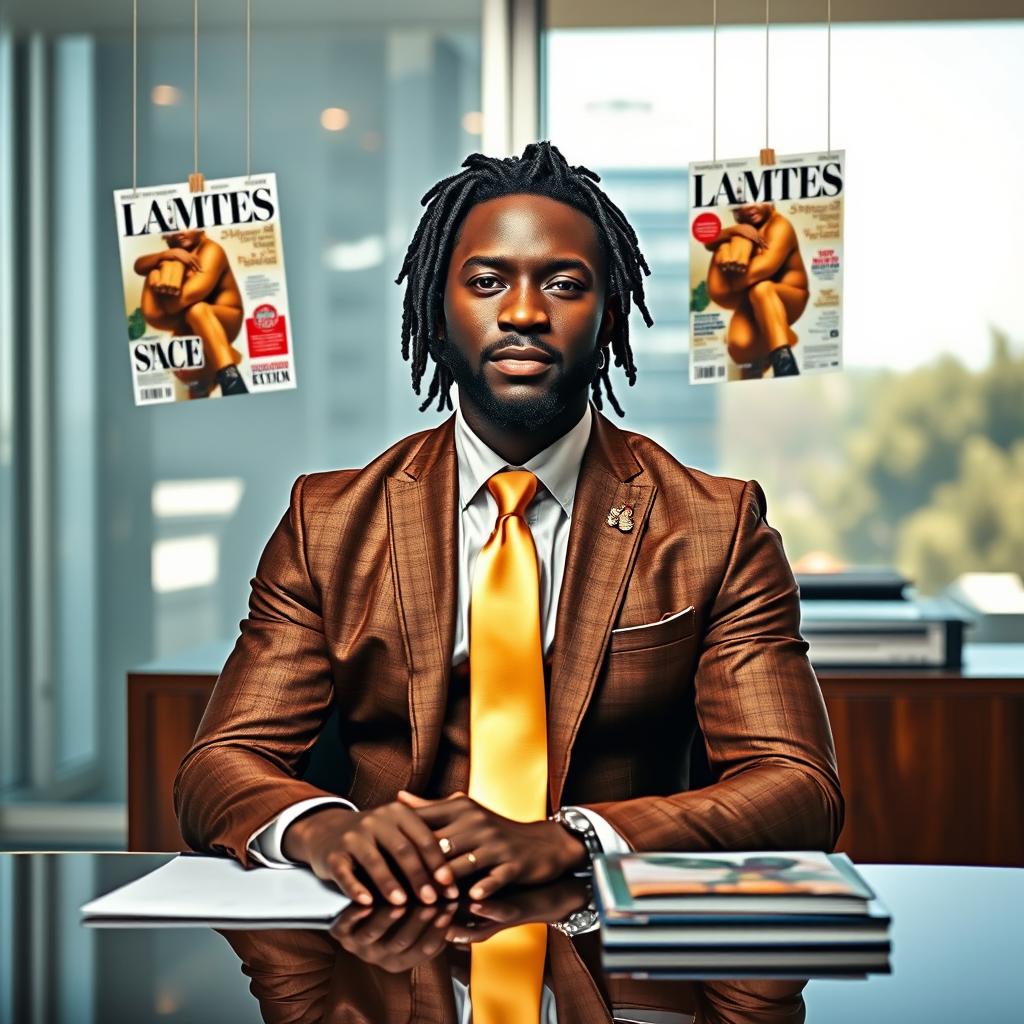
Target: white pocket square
{"points": [[650, 625]]}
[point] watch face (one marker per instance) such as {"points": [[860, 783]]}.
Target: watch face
{"points": [[577, 820], [578, 922]]}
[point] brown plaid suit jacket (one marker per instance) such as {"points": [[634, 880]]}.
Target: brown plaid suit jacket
{"points": [[353, 605]]}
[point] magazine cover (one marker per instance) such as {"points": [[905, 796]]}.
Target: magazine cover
{"points": [[766, 267], [205, 302], [806, 872]]}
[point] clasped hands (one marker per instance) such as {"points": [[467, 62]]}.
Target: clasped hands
{"points": [[395, 850]]}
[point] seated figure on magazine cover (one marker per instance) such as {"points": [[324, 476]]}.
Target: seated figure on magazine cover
{"points": [[190, 289], [758, 273]]}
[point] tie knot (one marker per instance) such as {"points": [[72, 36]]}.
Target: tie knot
{"points": [[513, 491]]}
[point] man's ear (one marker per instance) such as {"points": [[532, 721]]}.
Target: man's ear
{"points": [[608, 321]]}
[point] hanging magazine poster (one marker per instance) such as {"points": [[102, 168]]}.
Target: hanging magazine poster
{"points": [[205, 301], [766, 267]]}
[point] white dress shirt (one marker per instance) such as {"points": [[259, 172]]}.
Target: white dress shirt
{"points": [[549, 515]]}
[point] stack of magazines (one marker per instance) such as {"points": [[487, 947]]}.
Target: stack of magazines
{"points": [[708, 915]]}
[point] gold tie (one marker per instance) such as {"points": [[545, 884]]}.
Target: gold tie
{"points": [[508, 752]]}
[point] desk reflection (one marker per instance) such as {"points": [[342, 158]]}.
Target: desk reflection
{"points": [[389, 964]]}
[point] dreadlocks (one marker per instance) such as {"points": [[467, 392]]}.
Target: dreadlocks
{"points": [[541, 170]]}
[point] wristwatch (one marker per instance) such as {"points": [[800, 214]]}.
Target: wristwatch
{"points": [[580, 921], [581, 826]]}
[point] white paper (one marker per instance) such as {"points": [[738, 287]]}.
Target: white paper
{"points": [[218, 888]]}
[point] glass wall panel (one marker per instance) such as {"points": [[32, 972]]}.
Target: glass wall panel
{"points": [[159, 514], [914, 455]]}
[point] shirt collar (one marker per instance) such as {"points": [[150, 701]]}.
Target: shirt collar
{"points": [[557, 467]]}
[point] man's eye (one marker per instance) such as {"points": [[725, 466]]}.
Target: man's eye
{"points": [[573, 286], [485, 277]]}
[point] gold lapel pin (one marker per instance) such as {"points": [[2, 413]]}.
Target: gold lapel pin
{"points": [[622, 517]]}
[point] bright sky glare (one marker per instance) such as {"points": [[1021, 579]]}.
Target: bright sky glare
{"points": [[929, 116]]}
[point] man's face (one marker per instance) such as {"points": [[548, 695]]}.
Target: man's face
{"points": [[753, 213], [524, 309], [187, 240]]}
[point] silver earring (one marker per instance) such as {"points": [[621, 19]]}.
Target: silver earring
{"points": [[603, 363]]}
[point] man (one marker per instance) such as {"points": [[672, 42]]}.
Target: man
{"points": [[767, 291], [662, 611], [191, 289]]}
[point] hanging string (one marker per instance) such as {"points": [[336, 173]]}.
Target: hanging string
{"points": [[767, 19], [248, 90], [135, 97], [714, 79], [195, 86], [828, 88]]}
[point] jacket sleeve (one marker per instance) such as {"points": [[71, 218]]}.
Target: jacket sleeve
{"points": [[760, 708], [267, 708]]}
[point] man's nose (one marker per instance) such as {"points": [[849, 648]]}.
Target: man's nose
{"points": [[524, 309]]}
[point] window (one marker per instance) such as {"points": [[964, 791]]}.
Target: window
{"points": [[914, 454], [129, 535]]}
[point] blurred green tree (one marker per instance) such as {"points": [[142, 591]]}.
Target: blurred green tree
{"points": [[973, 523], [922, 470]]}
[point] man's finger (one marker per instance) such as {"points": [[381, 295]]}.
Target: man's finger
{"points": [[496, 910], [410, 930], [474, 860], [370, 859], [501, 876], [412, 800], [352, 928], [441, 813], [364, 934], [378, 922], [434, 943], [426, 843], [405, 853], [347, 921], [346, 880]]}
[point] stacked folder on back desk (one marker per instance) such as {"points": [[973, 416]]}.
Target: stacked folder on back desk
{"points": [[740, 915]]}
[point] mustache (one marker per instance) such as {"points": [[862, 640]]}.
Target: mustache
{"points": [[522, 341]]}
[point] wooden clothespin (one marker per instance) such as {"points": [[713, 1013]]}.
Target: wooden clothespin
{"points": [[767, 157], [197, 183]]}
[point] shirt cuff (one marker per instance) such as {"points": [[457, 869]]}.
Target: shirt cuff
{"points": [[610, 840], [265, 843]]}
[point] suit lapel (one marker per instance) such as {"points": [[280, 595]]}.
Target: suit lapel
{"points": [[422, 508], [598, 564]]}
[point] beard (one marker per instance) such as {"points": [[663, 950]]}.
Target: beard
{"points": [[530, 411]]}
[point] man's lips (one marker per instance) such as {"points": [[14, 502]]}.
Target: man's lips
{"points": [[521, 362]]}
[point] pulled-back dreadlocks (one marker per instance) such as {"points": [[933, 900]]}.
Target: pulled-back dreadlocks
{"points": [[541, 170]]}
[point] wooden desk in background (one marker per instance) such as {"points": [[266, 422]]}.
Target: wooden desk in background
{"points": [[931, 762]]}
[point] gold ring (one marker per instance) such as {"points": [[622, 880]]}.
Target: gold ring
{"points": [[471, 857], [446, 845]]}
